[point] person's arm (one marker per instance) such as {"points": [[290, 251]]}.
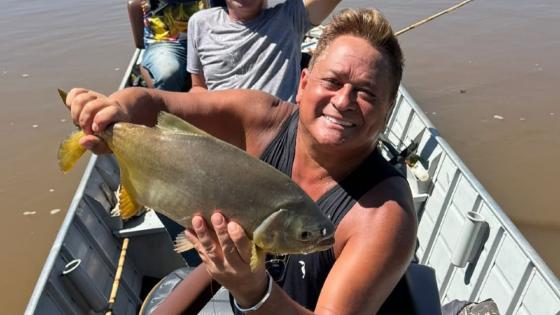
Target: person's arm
{"points": [[194, 65], [374, 245], [379, 235], [225, 251], [198, 83], [244, 118], [318, 10]]}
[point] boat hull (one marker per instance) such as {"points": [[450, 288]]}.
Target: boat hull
{"points": [[473, 259]]}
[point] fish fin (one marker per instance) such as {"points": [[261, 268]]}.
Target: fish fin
{"points": [[182, 244], [128, 207], [70, 151], [257, 257], [170, 122], [63, 95], [116, 212], [265, 234]]}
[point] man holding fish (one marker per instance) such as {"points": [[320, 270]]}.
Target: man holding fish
{"points": [[327, 144]]}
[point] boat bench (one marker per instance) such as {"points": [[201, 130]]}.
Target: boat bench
{"points": [[147, 223]]}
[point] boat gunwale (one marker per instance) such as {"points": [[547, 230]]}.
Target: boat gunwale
{"points": [[67, 222], [535, 259], [504, 220]]}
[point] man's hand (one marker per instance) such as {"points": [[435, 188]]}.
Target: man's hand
{"points": [[226, 252], [93, 112]]}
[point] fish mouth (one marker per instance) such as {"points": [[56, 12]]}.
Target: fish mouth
{"points": [[310, 247], [320, 245], [326, 242]]}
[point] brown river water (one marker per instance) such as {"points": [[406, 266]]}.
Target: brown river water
{"points": [[487, 75]]}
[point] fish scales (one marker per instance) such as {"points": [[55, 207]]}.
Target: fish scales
{"points": [[179, 174]]}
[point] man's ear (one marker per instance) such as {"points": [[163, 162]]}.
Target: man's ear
{"points": [[302, 84], [389, 111]]}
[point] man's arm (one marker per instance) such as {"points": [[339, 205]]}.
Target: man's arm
{"points": [[245, 118], [377, 237], [374, 245], [198, 83], [318, 10]]}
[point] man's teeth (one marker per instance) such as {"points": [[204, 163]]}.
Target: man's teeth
{"points": [[339, 122]]}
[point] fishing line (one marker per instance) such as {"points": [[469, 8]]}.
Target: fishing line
{"points": [[428, 19]]}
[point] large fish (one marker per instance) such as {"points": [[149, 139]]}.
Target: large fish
{"points": [[180, 170]]}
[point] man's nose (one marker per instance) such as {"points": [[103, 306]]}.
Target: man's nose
{"points": [[345, 98]]}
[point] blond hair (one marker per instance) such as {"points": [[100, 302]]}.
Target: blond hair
{"points": [[370, 25]]}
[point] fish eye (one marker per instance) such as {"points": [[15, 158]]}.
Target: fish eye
{"points": [[305, 235]]}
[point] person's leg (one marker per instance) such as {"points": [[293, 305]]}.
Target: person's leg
{"points": [[166, 63]]}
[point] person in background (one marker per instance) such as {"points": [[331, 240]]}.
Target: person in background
{"points": [[327, 144], [247, 44], [165, 40]]}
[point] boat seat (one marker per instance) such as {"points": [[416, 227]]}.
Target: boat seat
{"points": [[146, 223]]}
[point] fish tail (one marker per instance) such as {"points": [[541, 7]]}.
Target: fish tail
{"points": [[182, 244], [70, 151]]}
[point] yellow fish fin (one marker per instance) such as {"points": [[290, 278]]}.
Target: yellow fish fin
{"points": [[257, 257], [128, 207], [170, 122], [182, 244], [70, 151]]}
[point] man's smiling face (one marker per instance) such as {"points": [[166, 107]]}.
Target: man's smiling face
{"points": [[345, 99]]}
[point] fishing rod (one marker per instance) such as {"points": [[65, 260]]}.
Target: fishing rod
{"points": [[118, 274], [317, 34], [428, 19], [408, 156]]}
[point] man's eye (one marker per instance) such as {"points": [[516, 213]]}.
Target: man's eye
{"points": [[332, 83], [366, 95]]}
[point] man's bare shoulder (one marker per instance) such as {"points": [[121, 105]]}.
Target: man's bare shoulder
{"points": [[393, 189], [262, 115], [374, 244], [257, 109], [248, 105], [386, 208]]}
